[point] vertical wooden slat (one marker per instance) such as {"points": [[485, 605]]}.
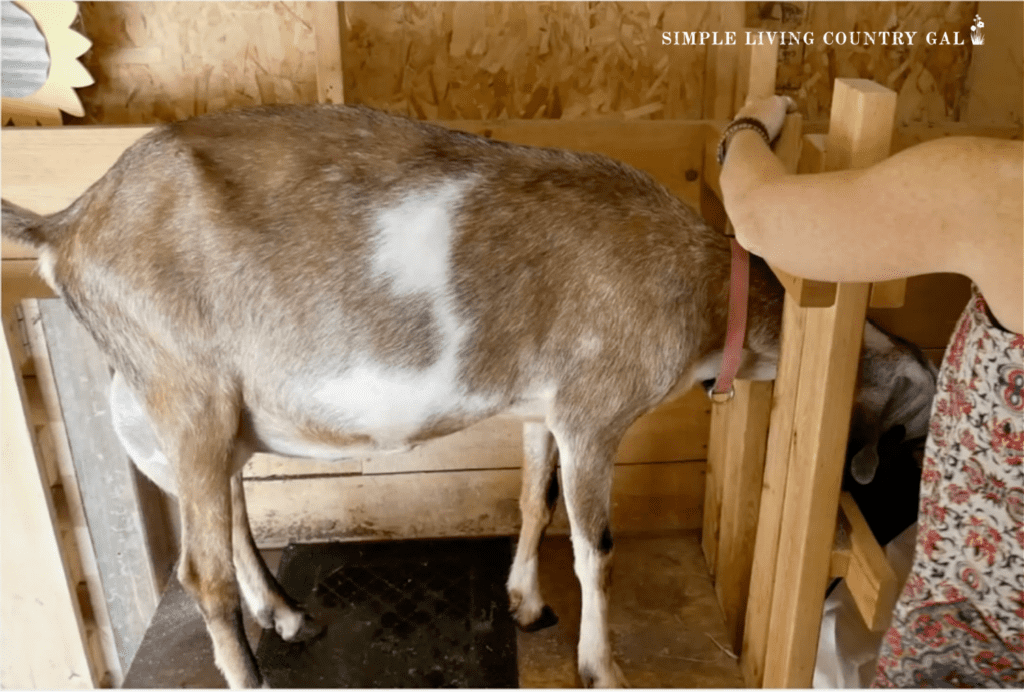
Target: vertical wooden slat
{"points": [[329, 27], [739, 426], [769, 523], [43, 638], [741, 501], [860, 135], [832, 339], [718, 454]]}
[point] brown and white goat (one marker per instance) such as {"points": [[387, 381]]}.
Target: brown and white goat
{"points": [[322, 281]]}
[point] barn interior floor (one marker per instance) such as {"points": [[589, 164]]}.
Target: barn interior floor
{"points": [[666, 626]]}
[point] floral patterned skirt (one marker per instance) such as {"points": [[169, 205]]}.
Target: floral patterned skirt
{"points": [[958, 621]]}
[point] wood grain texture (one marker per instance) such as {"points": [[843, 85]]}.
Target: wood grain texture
{"points": [[869, 576], [773, 494], [328, 27], [645, 497], [47, 647], [741, 501], [860, 134]]}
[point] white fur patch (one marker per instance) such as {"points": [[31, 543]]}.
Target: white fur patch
{"points": [[414, 240], [389, 404]]}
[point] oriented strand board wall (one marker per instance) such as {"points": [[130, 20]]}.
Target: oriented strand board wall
{"points": [[160, 61], [930, 80]]}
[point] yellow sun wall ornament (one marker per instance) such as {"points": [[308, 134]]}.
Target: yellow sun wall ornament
{"points": [[64, 45]]}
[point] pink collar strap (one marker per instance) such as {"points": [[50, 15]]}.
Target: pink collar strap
{"points": [[732, 354]]}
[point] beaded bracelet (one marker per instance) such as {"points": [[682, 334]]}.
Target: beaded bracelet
{"points": [[737, 125]]}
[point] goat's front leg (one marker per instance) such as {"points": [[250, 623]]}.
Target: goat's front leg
{"points": [[197, 429], [587, 462], [267, 601], [536, 503]]}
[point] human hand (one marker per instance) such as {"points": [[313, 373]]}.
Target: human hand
{"points": [[771, 112]]}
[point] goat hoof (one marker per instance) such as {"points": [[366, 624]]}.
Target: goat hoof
{"points": [[547, 618], [309, 628], [610, 678]]}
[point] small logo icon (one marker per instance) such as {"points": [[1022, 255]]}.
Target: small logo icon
{"points": [[977, 35]]}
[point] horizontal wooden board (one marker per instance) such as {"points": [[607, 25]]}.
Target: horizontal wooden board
{"points": [[645, 497]]}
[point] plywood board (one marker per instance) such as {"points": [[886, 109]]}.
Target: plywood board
{"points": [[645, 497], [37, 591]]}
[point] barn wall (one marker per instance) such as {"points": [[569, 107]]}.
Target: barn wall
{"points": [[159, 61]]}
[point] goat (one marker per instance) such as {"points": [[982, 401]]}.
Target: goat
{"points": [[321, 281]]}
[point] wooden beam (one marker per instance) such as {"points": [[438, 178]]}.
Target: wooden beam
{"points": [[867, 101], [392, 506], [860, 135], [329, 28], [741, 499], [773, 493], [44, 641], [869, 576]]}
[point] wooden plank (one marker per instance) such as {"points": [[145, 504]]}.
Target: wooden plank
{"points": [[645, 497], [755, 74], [821, 421], [46, 169], [718, 453], [869, 576], [722, 64], [741, 501], [105, 478], [888, 294], [773, 493], [329, 26], [860, 135], [43, 638]]}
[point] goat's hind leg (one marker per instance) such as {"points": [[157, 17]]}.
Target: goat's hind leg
{"points": [[267, 601], [537, 503], [197, 429]]}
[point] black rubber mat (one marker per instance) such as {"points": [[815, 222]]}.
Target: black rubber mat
{"points": [[401, 614]]}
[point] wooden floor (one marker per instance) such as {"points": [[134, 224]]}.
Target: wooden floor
{"points": [[667, 629]]}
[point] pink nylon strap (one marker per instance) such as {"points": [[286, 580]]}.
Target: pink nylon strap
{"points": [[736, 329]]}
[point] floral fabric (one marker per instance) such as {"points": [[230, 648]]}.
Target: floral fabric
{"points": [[958, 621]]}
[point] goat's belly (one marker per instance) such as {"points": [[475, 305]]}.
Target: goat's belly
{"points": [[366, 411]]}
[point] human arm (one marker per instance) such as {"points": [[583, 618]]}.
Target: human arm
{"points": [[949, 205]]}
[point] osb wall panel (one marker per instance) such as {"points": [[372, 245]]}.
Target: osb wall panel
{"points": [[930, 80], [525, 60], [162, 61]]}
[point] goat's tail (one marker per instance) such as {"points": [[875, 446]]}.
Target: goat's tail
{"points": [[24, 226]]}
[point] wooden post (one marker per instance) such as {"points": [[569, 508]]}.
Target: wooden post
{"points": [[739, 427], [746, 437], [329, 27], [43, 637], [809, 430]]}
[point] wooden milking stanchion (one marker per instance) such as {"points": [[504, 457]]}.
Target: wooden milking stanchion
{"points": [[739, 427], [809, 426]]}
